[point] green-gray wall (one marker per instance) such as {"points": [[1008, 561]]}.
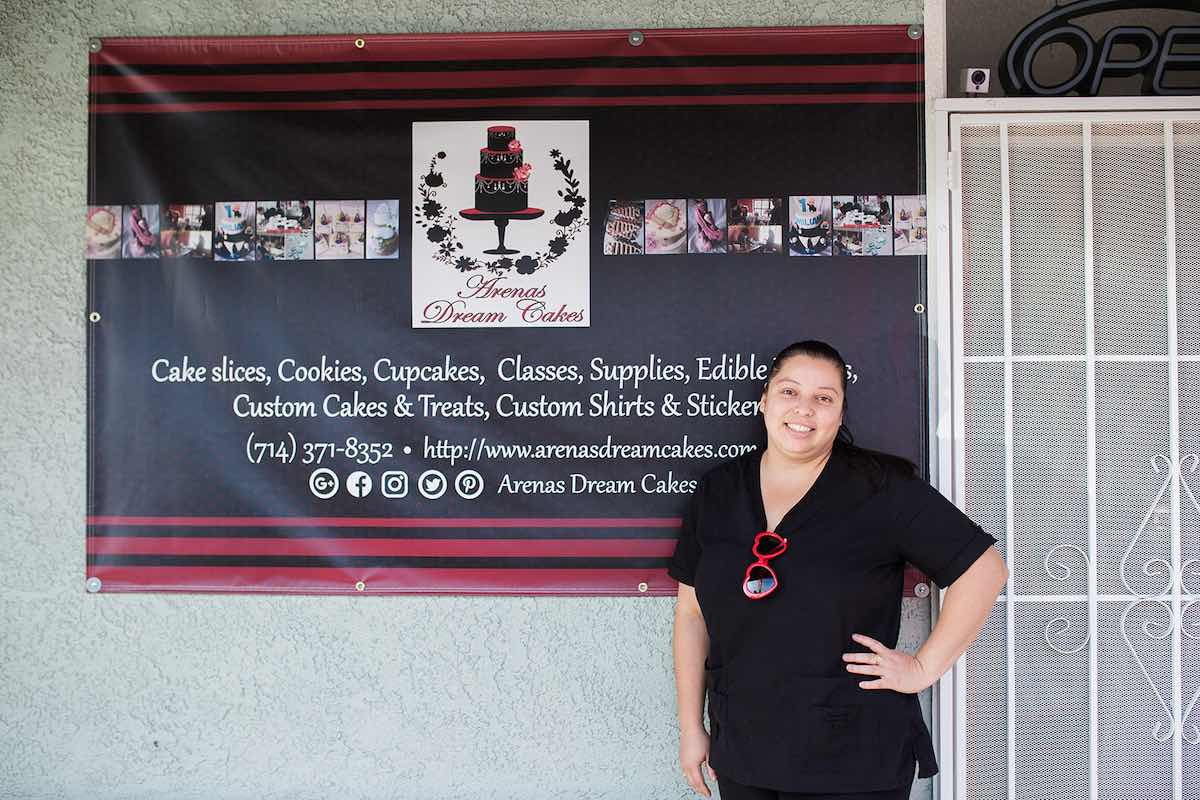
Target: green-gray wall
{"points": [[157, 696]]}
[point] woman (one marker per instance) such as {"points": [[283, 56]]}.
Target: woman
{"points": [[790, 563]]}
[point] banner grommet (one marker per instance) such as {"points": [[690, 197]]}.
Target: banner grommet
{"points": [[360, 43], [915, 31], [919, 308], [93, 585], [94, 316], [636, 38], [643, 587], [95, 45], [921, 589], [360, 586]]}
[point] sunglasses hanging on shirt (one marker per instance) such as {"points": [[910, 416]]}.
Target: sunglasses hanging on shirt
{"points": [[760, 579]]}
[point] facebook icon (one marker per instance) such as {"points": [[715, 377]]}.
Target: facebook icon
{"points": [[358, 484]]}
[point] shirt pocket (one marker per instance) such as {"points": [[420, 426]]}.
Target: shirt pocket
{"points": [[853, 730], [838, 736], [820, 727]]}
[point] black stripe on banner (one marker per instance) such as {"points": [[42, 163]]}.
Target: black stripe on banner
{"points": [[399, 534], [360, 562], [717, 90], [513, 64]]}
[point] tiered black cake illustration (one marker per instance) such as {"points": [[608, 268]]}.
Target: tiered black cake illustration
{"points": [[502, 184]]}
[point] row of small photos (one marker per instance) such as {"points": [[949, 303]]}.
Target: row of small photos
{"points": [[801, 225], [246, 230]]}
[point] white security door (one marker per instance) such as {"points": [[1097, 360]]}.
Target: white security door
{"points": [[1076, 297]]}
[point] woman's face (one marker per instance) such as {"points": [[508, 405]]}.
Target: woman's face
{"points": [[802, 407]]}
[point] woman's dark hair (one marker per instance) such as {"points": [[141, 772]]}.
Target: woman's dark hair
{"points": [[814, 348]]}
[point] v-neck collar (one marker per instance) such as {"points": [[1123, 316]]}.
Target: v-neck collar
{"points": [[812, 501]]}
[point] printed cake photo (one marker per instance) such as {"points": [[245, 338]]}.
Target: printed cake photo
{"points": [[809, 230], [284, 230], [233, 239], [666, 226], [623, 228], [383, 237], [862, 225], [341, 231], [186, 230], [756, 225], [140, 232], [706, 225], [911, 225], [103, 232]]}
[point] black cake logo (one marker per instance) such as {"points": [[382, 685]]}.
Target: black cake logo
{"points": [[501, 199], [500, 233]]}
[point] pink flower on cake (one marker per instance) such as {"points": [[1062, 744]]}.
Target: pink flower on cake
{"points": [[521, 173], [514, 146]]}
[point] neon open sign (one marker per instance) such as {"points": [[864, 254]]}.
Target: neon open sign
{"points": [[1157, 54]]}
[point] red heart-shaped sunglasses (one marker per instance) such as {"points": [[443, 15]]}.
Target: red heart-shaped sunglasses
{"points": [[760, 579]]}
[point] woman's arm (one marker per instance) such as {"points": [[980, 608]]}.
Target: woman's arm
{"points": [[965, 608], [690, 646]]}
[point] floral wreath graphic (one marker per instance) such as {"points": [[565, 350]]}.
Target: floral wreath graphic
{"points": [[439, 223]]}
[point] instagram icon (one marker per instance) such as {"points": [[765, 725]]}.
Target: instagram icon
{"points": [[394, 483]]}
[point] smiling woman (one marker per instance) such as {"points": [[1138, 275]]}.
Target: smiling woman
{"points": [[815, 522], [802, 412]]}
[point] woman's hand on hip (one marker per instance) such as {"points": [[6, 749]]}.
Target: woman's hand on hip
{"points": [[693, 757], [894, 669]]}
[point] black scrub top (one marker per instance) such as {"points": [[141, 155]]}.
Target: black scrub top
{"points": [[784, 712]]}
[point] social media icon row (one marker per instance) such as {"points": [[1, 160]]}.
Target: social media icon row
{"points": [[431, 484]]}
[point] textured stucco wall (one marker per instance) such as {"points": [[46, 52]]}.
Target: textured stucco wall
{"points": [[122, 696]]}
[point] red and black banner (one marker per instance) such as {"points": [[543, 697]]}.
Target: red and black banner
{"points": [[763, 66], [277, 401]]}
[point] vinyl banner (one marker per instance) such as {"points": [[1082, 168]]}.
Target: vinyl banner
{"points": [[520, 292]]}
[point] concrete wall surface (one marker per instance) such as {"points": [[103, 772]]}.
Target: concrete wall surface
{"points": [[152, 696]]}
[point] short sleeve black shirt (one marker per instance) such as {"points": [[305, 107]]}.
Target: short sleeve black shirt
{"points": [[785, 713]]}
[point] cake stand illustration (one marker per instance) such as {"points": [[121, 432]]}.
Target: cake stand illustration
{"points": [[502, 185]]}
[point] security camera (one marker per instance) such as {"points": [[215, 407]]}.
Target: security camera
{"points": [[975, 80]]}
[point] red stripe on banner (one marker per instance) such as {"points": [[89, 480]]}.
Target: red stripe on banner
{"points": [[553, 102], [389, 522], [550, 44], [481, 548], [326, 580], [378, 580], [700, 76], [913, 576]]}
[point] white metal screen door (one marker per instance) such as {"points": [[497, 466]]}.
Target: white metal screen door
{"points": [[1076, 292]]}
